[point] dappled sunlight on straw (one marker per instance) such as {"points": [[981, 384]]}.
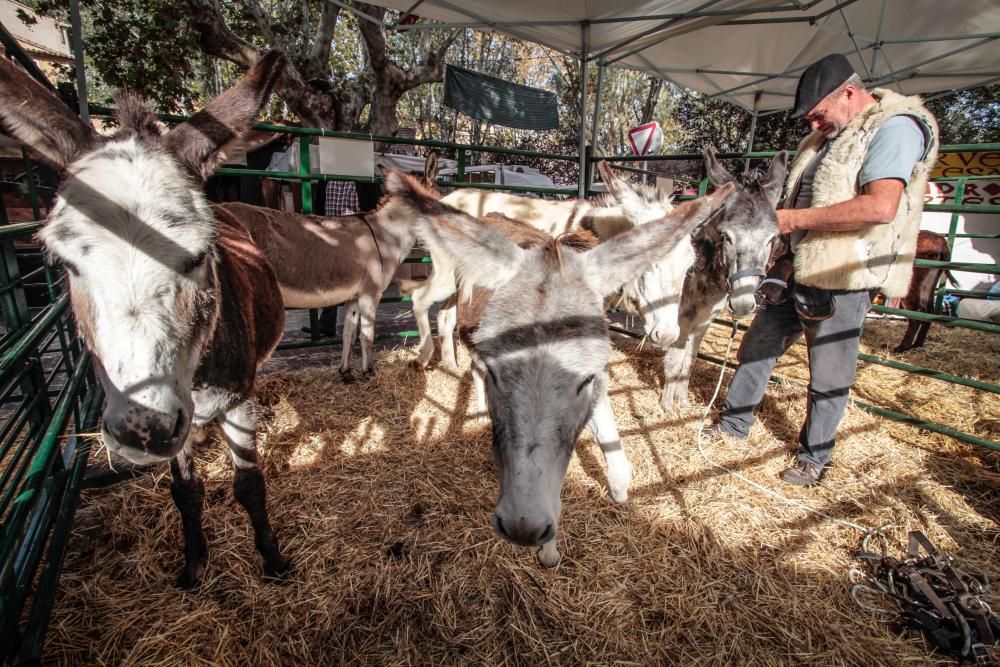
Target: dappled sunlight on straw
{"points": [[381, 493]]}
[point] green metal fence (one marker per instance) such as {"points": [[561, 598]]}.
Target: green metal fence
{"points": [[48, 397]]}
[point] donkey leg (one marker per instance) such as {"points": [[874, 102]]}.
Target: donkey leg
{"points": [[239, 426], [439, 286], [605, 431], [421, 313], [188, 493], [922, 334], [912, 331], [674, 382], [690, 354], [479, 382], [350, 331], [447, 321], [367, 310]]}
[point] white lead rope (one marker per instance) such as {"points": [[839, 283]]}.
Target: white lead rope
{"points": [[763, 489]]}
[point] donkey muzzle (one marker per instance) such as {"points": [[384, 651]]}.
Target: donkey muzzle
{"points": [[742, 287], [145, 436], [524, 530]]}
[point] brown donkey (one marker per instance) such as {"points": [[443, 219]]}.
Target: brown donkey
{"points": [[325, 261], [178, 308]]}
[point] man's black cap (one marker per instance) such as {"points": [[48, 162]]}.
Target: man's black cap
{"points": [[819, 80]]}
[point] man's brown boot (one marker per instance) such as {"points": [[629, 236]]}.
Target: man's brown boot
{"points": [[802, 473]]}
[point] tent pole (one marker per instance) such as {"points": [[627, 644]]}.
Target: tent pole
{"points": [[597, 106], [585, 29], [81, 72], [753, 127]]}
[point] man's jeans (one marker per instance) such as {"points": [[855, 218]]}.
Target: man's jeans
{"points": [[833, 351]]}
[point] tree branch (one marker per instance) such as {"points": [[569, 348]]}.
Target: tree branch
{"points": [[439, 55], [317, 62], [216, 37], [373, 35], [254, 11]]}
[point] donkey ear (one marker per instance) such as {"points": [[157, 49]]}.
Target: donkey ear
{"points": [[620, 259], [717, 174], [196, 143], [775, 182], [609, 178], [634, 208], [431, 169], [38, 119], [481, 255]]}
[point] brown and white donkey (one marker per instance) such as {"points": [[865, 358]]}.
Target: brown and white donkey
{"points": [[178, 307]]}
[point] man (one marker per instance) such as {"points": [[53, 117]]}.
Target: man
{"points": [[852, 212]]}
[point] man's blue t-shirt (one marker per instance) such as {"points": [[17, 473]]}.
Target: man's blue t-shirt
{"points": [[896, 148]]}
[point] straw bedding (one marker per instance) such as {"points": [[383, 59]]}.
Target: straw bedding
{"points": [[381, 493]]}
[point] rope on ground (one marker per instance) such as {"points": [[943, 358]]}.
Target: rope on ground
{"points": [[760, 487]]}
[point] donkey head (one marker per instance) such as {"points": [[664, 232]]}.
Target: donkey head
{"points": [[656, 292], [542, 341], [743, 235], [137, 237]]}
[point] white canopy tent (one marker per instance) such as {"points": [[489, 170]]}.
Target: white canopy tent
{"points": [[749, 52]]}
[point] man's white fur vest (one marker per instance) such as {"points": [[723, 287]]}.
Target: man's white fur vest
{"points": [[875, 256]]}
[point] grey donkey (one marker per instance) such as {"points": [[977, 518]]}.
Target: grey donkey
{"points": [[732, 253], [542, 344]]}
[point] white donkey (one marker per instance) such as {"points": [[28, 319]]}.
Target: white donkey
{"points": [[178, 308], [541, 340], [653, 294]]}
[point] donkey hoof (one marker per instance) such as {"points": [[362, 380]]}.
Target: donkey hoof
{"points": [[190, 576], [347, 377], [277, 572], [619, 495], [368, 374], [548, 555], [670, 405]]}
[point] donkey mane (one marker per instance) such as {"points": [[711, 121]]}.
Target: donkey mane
{"points": [[136, 118]]}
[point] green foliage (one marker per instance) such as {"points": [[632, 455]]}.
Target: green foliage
{"points": [[969, 116], [141, 46], [716, 123], [146, 47]]}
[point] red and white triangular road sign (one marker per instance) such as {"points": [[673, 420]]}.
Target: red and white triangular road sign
{"points": [[645, 138]]}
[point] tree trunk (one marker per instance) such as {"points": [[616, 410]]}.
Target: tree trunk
{"points": [[305, 86], [649, 108]]}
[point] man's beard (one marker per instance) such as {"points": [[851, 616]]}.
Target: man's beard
{"points": [[834, 131]]}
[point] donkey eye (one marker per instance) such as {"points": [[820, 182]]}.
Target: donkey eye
{"points": [[583, 385], [194, 263]]}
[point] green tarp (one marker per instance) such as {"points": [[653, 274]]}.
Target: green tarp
{"points": [[499, 102]]}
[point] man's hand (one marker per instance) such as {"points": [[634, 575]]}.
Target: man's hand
{"points": [[786, 219], [877, 204]]}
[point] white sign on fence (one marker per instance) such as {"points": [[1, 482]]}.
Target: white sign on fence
{"points": [[349, 157]]}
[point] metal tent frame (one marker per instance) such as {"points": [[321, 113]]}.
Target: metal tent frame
{"points": [[869, 50]]}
